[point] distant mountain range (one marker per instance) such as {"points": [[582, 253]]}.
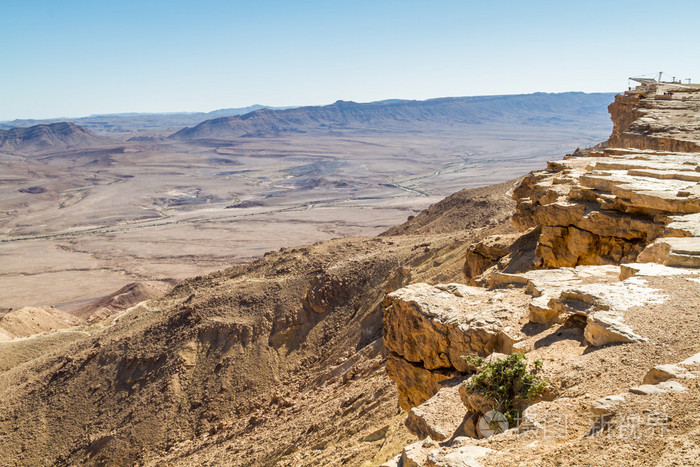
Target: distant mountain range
{"points": [[124, 123], [388, 116], [401, 115], [54, 137]]}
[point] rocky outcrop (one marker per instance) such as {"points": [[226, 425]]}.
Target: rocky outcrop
{"points": [[662, 373], [594, 227], [429, 329], [606, 209], [507, 253], [656, 118], [594, 293], [632, 200]]}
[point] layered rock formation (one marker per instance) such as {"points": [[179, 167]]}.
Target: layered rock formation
{"points": [[590, 225], [658, 117], [429, 329], [606, 209]]}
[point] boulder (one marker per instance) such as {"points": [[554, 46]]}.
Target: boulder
{"points": [[439, 417], [607, 406], [428, 453], [660, 388], [693, 360], [606, 327], [661, 373]]}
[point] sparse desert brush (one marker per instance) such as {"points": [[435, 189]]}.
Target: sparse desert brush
{"points": [[510, 382]]}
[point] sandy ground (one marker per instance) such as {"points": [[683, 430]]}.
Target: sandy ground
{"points": [[78, 225]]}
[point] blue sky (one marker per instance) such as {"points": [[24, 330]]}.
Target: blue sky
{"points": [[75, 58]]}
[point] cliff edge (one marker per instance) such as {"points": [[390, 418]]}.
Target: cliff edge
{"points": [[602, 285]]}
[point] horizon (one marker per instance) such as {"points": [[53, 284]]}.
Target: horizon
{"points": [[193, 112], [96, 58]]}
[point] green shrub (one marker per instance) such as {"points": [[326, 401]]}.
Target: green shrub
{"points": [[508, 382]]}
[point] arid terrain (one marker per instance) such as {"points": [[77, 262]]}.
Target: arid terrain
{"points": [[85, 213], [348, 351]]}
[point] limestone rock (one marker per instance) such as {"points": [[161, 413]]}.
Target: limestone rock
{"points": [[661, 373], [643, 121], [435, 326], [507, 253], [607, 328], [416, 454], [591, 291], [693, 360], [430, 328], [606, 406], [679, 252], [661, 388], [607, 208], [484, 254], [427, 453], [415, 384], [652, 270], [439, 417]]}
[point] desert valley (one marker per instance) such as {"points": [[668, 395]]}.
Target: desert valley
{"points": [[88, 210], [349, 233], [338, 346]]}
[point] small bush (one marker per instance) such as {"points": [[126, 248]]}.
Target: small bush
{"points": [[508, 382]]}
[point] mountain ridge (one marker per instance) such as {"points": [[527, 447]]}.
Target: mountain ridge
{"points": [[127, 122], [348, 115], [54, 136]]}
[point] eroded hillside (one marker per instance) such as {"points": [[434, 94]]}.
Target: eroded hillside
{"points": [[277, 361]]}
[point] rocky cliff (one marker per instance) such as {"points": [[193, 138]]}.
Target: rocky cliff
{"points": [[660, 117], [606, 236]]}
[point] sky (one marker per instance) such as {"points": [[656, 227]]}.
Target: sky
{"points": [[75, 58]]}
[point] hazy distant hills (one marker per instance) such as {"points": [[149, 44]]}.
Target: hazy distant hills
{"points": [[403, 115], [124, 123], [54, 137], [389, 116]]}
